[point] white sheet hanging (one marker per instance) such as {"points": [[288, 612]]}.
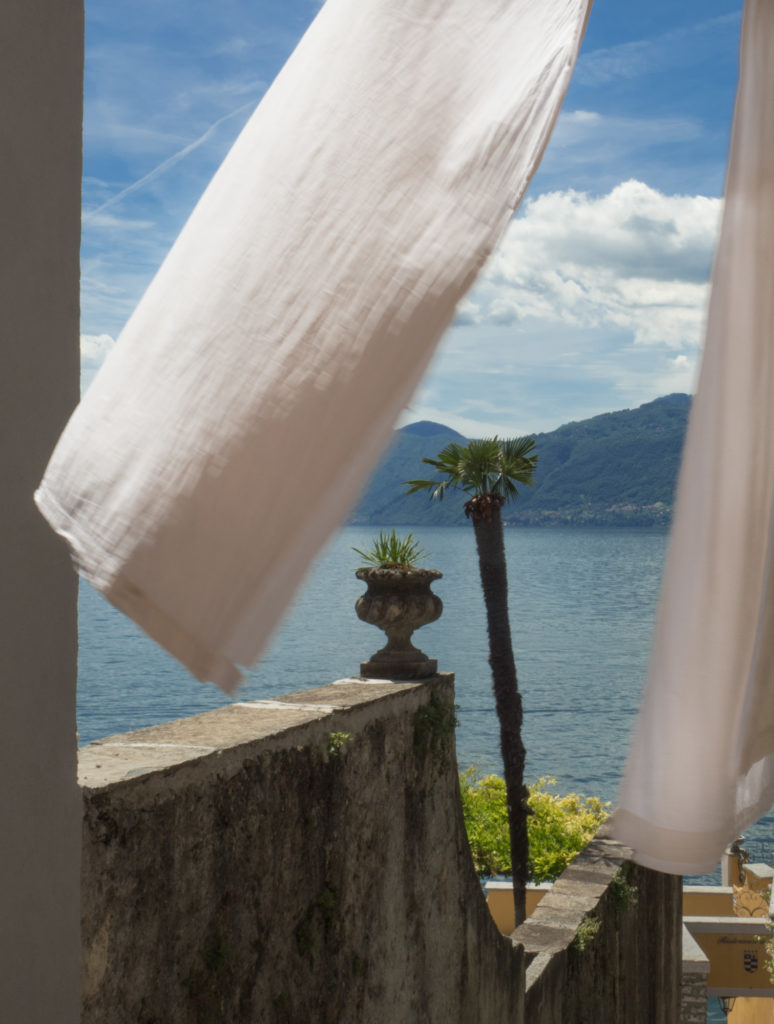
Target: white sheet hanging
{"points": [[702, 762], [253, 389]]}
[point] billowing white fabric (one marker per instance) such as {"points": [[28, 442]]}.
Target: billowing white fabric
{"points": [[253, 389], [702, 763]]}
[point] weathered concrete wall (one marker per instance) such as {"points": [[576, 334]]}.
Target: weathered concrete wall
{"points": [[41, 74], [295, 861], [305, 860], [605, 944]]}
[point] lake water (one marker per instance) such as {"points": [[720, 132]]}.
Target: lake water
{"points": [[582, 604]]}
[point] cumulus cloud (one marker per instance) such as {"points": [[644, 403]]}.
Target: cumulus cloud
{"points": [[94, 349], [635, 260]]}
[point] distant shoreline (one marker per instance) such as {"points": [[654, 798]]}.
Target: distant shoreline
{"points": [[618, 515], [618, 469], [604, 519]]}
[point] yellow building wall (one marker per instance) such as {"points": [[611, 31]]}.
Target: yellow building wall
{"points": [[752, 1011], [758, 877], [708, 901], [500, 903], [737, 959]]}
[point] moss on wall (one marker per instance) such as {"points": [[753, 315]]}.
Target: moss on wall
{"points": [[313, 871]]}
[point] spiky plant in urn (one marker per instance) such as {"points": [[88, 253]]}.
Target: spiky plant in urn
{"points": [[398, 600]]}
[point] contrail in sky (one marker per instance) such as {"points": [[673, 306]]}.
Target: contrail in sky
{"points": [[164, 166]]}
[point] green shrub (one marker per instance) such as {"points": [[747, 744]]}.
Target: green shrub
{"points": [[558, 826], [486, 821]]}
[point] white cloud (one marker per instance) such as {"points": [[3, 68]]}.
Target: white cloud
{"points": [[590, 303], [537, 375], [678, 375], [634, 259], [94, 349]]}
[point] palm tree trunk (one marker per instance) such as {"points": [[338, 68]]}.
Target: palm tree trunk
{"points": [[491, 563]]}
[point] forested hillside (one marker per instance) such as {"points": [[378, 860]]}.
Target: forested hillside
{"points": [[385, 501], [619, 468]]}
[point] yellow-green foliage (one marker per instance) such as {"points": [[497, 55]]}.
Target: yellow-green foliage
{"points": [[558, 827], [486, 821]]}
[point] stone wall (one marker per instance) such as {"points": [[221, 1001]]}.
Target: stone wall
{"points": [[304, 860], [605, 943], [295, 861], [693, 995]]}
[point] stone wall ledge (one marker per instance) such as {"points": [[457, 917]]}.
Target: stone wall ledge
{"points": [[575, 895], [604, 943], [181, 745], [695, 960]]}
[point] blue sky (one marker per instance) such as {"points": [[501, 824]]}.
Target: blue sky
{"points": [[594, 300]]}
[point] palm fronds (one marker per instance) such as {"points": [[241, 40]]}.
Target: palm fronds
{"points": [[485, 467]]}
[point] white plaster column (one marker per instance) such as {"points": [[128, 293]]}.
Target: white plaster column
{"points": [[41, 76]]}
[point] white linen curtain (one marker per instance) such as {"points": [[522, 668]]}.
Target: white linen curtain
{"points": [[701, 766], [252, 391]]}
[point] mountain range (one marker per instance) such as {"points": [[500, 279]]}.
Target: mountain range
{"points": [[617, 469]]}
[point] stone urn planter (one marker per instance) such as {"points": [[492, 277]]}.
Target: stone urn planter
{"points": [[398, 600]]}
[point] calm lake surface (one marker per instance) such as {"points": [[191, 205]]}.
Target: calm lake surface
{"points": [[582, 604]]}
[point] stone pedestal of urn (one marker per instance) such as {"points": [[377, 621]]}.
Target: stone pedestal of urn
{"points": [[398, 600]]}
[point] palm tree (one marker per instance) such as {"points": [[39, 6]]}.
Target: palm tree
{"points": [[489, 470]]}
